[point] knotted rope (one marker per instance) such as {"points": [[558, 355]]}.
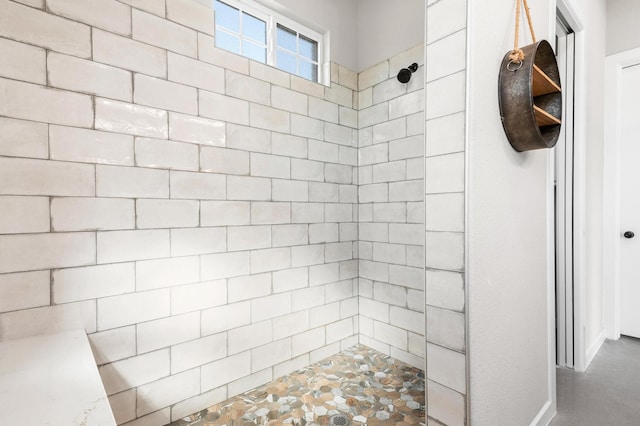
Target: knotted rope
{"points": [[517, 55]]}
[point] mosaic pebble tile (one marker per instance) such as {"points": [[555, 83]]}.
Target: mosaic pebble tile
{"points": [[357, 386]]}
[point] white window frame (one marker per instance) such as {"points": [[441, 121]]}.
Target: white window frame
{"points": [[273, 18]]}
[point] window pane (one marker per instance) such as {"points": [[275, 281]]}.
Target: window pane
{"points": [[286, 38], [308, 48], [308, 71], [227, 41], [254, 28], [227, 16], [286, 62], [253, 51]]}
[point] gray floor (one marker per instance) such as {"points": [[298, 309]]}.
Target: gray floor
{"points": [[608, 393]]}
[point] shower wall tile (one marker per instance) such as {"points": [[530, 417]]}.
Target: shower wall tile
{"points": [[166, 332], [199, 296], [191, 14], [223, 108], [447, 96], [113, 345], [290, 190], [109, 15], [189, 208], [308, 341], [32, 26], [131, 182], [133, 308], [187, 128], [250, 382], [303, 85], [19, 138], [24, 290], [248, 237], [191, 72], [269, 118], [375, 114], [167, 391], [247, 88], [225, 318], [288, 100], [373, 75], [446, 405], [163, 33], [446, 212], [120, 117], [444, 173], [209, 54], [445, 88], [49, 319], [448, 367], [41, 177], [38, 103], [23, 62], [306, 127], [290, 235], [390, 150], [191, 405], [131, 372], [270, 74], [89, 146], [159, 417], [21, 215], [162, 273], [27, 252], [34, 3], [166, 95], [201, 186], [221, 213], [128, 54], [452, 47], [92, 282], [294, 146]]}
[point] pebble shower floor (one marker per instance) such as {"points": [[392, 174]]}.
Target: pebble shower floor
{"points": [[357, 386]]}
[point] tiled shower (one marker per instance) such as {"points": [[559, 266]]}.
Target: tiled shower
{"points": [[214, 223]]}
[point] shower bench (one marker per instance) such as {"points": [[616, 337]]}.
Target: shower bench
{"points": [[52, 380]]}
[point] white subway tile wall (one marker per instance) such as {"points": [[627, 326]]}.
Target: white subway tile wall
{"points": [[192, 210], [444, 211], [391, 233]]}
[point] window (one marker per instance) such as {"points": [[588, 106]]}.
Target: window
{"points": [[296, 53], [264, 36]]}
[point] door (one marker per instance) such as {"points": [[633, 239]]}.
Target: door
{"points": [[563, 152], [630, 202]]}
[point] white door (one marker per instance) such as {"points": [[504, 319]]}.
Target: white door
{"points": [[565, 47], [630, 202]]}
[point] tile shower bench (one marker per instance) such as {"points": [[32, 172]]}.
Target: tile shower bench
{"points": [[52, 380]]}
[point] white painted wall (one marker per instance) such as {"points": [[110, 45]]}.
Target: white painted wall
{"points": [[622, 25], [595, 34], [337, 16], [507, 244], [363, 32], [386, 28]]}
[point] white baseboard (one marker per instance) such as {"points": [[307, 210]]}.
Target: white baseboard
{"points": [[546, 413], [593, 349]]}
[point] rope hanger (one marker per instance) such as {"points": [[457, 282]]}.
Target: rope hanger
{"points": [[517, 55]]}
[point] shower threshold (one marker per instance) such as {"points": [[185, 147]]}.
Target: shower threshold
{"points": [[355, 387]]}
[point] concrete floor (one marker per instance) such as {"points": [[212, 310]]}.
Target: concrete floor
{"points": [[608, 393]]}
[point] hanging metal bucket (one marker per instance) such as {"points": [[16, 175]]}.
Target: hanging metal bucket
{"points": [[530, 98]]}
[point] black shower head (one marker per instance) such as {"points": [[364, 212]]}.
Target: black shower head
{"points": [[404, 75]]}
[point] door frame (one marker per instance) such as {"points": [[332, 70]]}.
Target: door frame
{"points": [[574, 18], [564, 177], [611, 191]]}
